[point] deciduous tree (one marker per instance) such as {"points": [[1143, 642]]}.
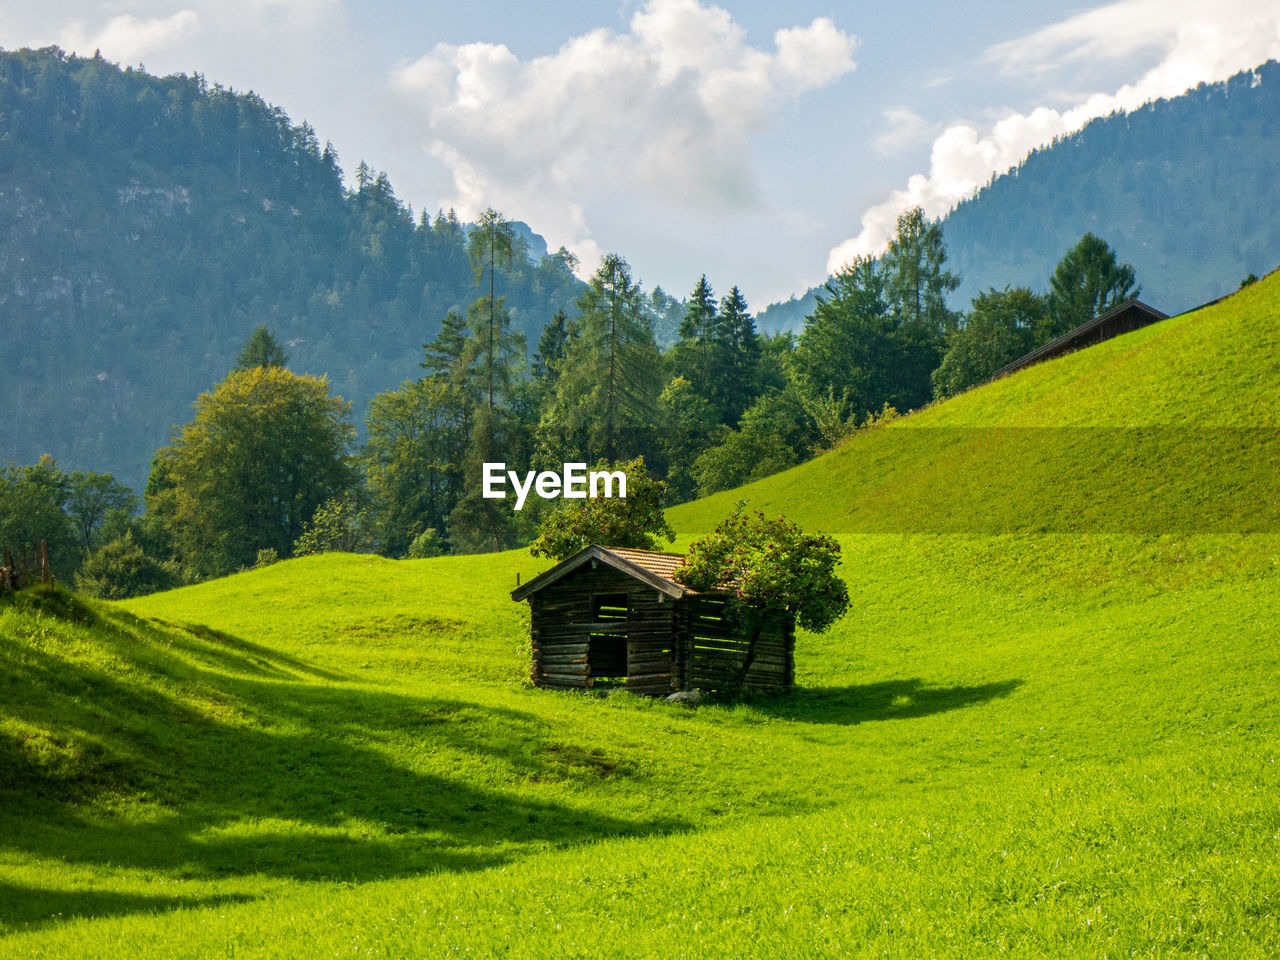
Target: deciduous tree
{"points": [[266, 447], [91, 498], [31, 510], [1000, 327], [635, 520]]}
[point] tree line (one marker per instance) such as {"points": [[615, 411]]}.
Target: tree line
{"points": [[269, 465]]}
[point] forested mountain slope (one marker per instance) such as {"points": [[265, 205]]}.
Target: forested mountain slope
{"points": [[152, 223], [1182, 188]]}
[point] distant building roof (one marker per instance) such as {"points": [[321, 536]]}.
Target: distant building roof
{"points": [[1133, 314], [655, 569]]}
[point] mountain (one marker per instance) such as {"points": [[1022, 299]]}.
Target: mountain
{"points": [[154, 222], [1181, 188]]}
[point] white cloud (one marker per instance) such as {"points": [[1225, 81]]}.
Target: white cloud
{"points": [[1197, 42], [127, 38], [667, 109], [902, 127]]}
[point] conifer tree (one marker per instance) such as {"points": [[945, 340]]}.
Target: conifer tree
{"points": [[917, 284], [447, 355], [605, 396], [489, 244], [1088, 281], [740, 378], [698, 354], [261, 349], [478, 524], [551, 348]]}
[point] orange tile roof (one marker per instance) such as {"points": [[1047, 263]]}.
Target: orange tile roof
{"points": [[662, 565]]}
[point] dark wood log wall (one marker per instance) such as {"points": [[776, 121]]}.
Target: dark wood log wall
{"points": [[563, 621], [671, 644], [715, 648]]}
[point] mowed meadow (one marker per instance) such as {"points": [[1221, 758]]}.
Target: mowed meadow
{"points": [[1047, 726]]}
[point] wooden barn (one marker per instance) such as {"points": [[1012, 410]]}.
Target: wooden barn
{"points": [[613, 617], [1131, 315]]}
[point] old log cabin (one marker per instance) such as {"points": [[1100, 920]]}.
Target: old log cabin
{"points": [[613, 617]]}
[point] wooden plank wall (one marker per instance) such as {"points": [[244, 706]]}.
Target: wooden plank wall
{"points": [[562, 625], [715, 649], [672, 644]]}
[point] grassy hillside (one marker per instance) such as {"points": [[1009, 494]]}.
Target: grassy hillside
{"points": [[1169, 429], [1044, 740]]}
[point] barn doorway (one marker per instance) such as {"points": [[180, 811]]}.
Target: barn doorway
{"points": [[607, 661]]}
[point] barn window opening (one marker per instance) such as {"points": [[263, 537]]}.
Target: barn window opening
{"points": [[610, 607]]}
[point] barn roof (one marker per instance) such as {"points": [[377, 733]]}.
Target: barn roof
{"points": [[647, 566], [1145, 313]]}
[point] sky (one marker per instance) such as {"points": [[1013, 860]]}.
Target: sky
{"points": [[760, 144]]}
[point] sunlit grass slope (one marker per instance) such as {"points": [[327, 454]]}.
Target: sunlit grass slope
{"points": [[1050, 741], [1174, 428]]}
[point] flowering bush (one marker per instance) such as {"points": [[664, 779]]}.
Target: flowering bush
{"points": [[770, 567]]}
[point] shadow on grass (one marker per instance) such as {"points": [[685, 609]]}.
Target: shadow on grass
{"points": [[30, 908], [223, 759], [887, 700], [220, 649]]}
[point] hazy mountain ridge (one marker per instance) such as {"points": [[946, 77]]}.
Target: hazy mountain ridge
{"points": [[1176, 187], [154, 222]]}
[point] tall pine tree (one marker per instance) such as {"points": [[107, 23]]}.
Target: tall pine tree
{"points": [[490, 244], [605, 396], [1088, 281], [740, 378], [698, 354]]}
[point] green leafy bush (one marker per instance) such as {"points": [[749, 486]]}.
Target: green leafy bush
{"points": [[428, 543], [635, 520], [121, 569], [770, 567], [338, 526]]}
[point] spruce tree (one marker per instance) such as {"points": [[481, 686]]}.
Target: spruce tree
{"points": [[740, 378], [551, 347], [698, 353], [605, 396], [1088, 281], [261, 349]]}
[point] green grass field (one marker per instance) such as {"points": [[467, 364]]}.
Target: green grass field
{"points": [[1047, 727]]}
